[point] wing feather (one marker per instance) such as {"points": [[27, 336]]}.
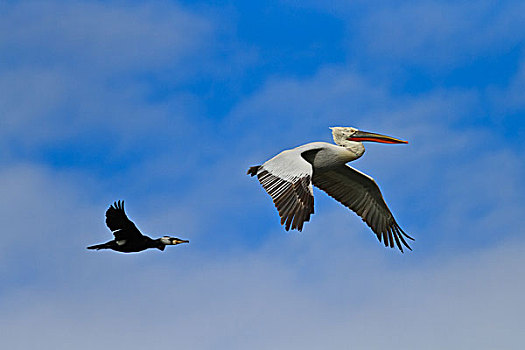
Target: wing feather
{"points": [[287, 179], [118, 222], [360, 193]]}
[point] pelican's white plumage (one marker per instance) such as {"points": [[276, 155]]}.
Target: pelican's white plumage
{"points": [[288, 179]]}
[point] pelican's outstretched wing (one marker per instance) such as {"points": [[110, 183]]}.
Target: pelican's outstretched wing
{"points": [[118, 222], [287, 178], [360, 193]]}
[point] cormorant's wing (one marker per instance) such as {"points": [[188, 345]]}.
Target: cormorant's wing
{"points": [[118, 222], [287, 179], [360, 193]]}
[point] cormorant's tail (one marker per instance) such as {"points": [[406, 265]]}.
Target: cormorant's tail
{"points": [[253, 170], [99, 246]]}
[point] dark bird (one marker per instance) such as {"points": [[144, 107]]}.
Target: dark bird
{"points": [[288, 179], [128, 238]]}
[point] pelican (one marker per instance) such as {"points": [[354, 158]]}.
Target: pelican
{"points": [[128, 238], [288, 179]]}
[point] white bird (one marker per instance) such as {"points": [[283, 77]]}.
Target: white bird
{"points": [[288, 179]]}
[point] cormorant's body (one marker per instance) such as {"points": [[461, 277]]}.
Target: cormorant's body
{"points": [[128, 238], [131, 246]]}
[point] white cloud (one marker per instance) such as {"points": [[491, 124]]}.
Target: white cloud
{"points": [[346, 298], [434, 34], [295, 110], [511, 98], [45, 218], [70, 71], [93, 35]]}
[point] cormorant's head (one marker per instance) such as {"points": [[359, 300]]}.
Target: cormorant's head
{"points": [[166, 240]]}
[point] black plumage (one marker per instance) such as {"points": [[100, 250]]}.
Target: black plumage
{"points": [[128, 238]]}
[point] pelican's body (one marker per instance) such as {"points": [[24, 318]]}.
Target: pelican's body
{"points": [[128, 238], [324, 155], [288, 179]]}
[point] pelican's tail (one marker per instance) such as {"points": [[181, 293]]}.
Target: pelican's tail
{"points": [[253, 170]]}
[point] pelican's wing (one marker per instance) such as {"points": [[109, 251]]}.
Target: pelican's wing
{"points": [[287, 179], [118, 222], [360, 193]]}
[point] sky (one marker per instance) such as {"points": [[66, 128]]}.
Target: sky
{"points": [[165, 104]]}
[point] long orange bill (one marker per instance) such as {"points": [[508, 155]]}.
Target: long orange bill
{"points": [[361, 136]]}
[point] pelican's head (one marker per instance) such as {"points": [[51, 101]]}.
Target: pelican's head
{"points": [[166, 240], [343, 134]]}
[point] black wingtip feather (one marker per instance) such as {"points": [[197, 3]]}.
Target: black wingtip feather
{"points": [[400, 234], [118, 205], [407, 236], [253, 170], [398, 243]]}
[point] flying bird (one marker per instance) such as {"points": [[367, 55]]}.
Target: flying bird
{"points": [[288, 179], [128, 238]]}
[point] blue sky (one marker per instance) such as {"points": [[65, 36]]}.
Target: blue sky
{"points": [[166, 104]]}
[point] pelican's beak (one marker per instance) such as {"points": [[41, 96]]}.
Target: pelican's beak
{"points": [[179, 241], [370, 136]]}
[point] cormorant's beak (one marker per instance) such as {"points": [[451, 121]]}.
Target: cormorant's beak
{"points": [[179, 241], [361, 136]]}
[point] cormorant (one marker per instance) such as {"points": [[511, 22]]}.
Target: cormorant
{"points": [[128, 238]]}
